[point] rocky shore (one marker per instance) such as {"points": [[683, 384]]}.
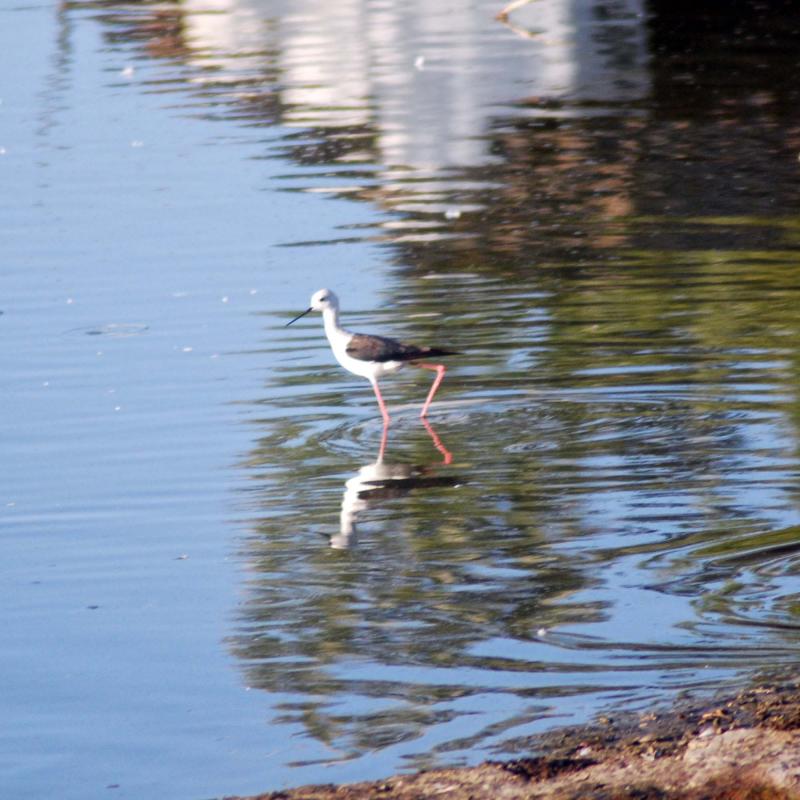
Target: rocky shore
{"points": [[735, 746]]}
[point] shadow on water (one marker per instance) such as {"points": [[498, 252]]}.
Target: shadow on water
{"points": [[610, 237]]}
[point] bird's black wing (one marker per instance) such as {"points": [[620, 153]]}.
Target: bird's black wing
{"points": [[366, 347]]}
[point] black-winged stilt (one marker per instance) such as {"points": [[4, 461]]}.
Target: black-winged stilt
{"points": [[372, 357]]}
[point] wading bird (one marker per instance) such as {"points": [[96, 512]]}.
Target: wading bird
{"points": [[372, 357]]}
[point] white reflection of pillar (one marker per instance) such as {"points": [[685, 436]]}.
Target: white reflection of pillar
{"points": [[428, 77]]}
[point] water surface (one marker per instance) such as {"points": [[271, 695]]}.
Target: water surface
{"points": [[211, 579]]}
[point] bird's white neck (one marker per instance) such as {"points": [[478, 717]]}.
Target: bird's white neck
{"points": [[333, 330]]}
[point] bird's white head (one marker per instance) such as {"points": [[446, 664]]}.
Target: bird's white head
{"points": [[322, 300]]}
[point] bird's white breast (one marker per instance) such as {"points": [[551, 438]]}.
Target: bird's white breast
{"points": [[339, 339]]}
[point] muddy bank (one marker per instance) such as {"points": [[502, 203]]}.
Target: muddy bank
{"points": [[742, 746]]}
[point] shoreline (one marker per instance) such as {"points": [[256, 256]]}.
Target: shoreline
{"points": [[734, 745]]}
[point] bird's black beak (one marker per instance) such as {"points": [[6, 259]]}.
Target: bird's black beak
{"points": [[308, 310]]}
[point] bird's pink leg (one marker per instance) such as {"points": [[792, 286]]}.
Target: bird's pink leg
{"points": [[381, 404], [439, 369]]}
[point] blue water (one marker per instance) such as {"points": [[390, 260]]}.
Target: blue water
{"points": [[133, 280]]}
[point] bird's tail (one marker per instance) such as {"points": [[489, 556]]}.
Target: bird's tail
{"points": [[438, 351]]}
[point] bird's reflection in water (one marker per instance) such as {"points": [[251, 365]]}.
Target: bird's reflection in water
{"points": [[380, 481]]}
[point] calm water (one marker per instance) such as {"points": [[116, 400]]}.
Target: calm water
{"points": [[210, 584]]}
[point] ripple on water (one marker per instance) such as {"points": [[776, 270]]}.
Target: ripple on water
{"points": [[113, 330]]}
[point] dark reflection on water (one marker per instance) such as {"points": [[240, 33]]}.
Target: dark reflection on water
{"points": [[609, 233]]}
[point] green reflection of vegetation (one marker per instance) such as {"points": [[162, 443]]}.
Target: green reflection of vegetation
{"points": [[753, 546], [638, 391], [629, 403]]}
